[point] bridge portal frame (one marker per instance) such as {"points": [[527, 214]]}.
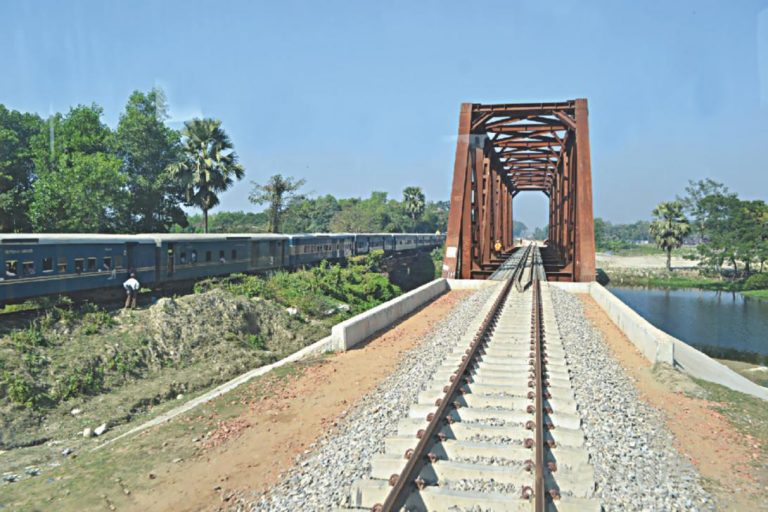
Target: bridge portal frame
{"points": [[505, 149]]}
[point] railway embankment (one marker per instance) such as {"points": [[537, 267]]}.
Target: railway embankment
{"points": [[68, 372]]}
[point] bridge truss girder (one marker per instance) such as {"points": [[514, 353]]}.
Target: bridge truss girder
{"points": [[506, 149]]}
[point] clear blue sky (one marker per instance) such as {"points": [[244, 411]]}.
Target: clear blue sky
{"points": [[358, 96]]}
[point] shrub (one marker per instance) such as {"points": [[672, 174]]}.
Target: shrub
{"points": [[19, 390], [81, 380], [757, 281], [256, 342], [94, 321], [27, 339], [126, 364]]}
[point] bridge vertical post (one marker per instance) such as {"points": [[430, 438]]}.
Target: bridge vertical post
{"points": [[496, 206], [456, 236], [487, 208], [508, 238], [584, 268], [566, 198]]}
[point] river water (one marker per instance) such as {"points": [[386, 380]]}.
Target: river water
{"points": [[721, 324]]}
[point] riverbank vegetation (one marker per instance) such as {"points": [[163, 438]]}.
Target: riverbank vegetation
{"points": [[726, 236]]}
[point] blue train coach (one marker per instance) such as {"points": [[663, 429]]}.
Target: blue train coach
{"points": [[35, 265]]}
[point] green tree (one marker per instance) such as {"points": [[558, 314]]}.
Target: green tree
{"points": [[277, 192], [669, 228], [541, 233], [226, 222], [692, 204], [372, 215], [518, 228], [208, 164], [435, 217], [601, 235], [413, 202], [79, 186], [17, 168], [309, 215], [147, 148], [83, 196]]}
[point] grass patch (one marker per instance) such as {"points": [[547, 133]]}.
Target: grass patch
{"points": [[96, 480], [756, 294], [624, 249], [747, 413], [749, 370], [672, 281]]}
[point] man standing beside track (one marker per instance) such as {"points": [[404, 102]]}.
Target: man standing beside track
{"points": [[131, 286]]}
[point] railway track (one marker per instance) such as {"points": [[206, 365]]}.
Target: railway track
{"points": [[497, 428]]}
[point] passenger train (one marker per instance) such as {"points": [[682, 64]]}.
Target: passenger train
{"points": [[49, 264]]}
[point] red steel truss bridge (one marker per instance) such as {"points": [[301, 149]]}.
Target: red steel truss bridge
{"points": [[506, 149]]}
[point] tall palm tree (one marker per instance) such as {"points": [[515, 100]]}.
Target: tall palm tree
{"points": [[208, 164], [413, 200], [669, 227]]}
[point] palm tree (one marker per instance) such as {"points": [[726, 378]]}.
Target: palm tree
{"points": [[276, 192], [669, 228], [208, 164], [413, 200]]}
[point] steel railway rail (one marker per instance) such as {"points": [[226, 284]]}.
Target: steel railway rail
{"points": [[497, 428]]}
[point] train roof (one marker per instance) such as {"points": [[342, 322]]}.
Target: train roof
{"points": [[70, 238], [213, 237], [319, 235], [67, 238]]}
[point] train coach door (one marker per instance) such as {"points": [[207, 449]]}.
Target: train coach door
{"points": [[170, 260], [130, 257], [158, 263]]}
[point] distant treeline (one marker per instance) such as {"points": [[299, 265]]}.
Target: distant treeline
{"points": [[327, 214], [609, 236]]}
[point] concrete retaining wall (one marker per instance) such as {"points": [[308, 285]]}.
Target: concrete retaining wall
{"points": [[349, 333], [470, 284], [658, 346]]}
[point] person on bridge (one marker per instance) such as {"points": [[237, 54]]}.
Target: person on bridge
{"points": [[131, 286]]}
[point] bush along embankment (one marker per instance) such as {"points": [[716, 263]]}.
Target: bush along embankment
{"points": [[78, 368]]}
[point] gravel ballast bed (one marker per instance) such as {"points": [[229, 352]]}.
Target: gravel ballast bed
{"points": [[636, 465], [322, 478]]}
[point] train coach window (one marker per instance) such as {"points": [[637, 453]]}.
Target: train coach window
{"points": [[183, 257], [234, 254], [79, 265], [28, 268], [47, 264], [208, 256], [106, 264], [119, 261], [11, 268], [222, 259], [62, 265], [193, 257], [91, 264]]}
